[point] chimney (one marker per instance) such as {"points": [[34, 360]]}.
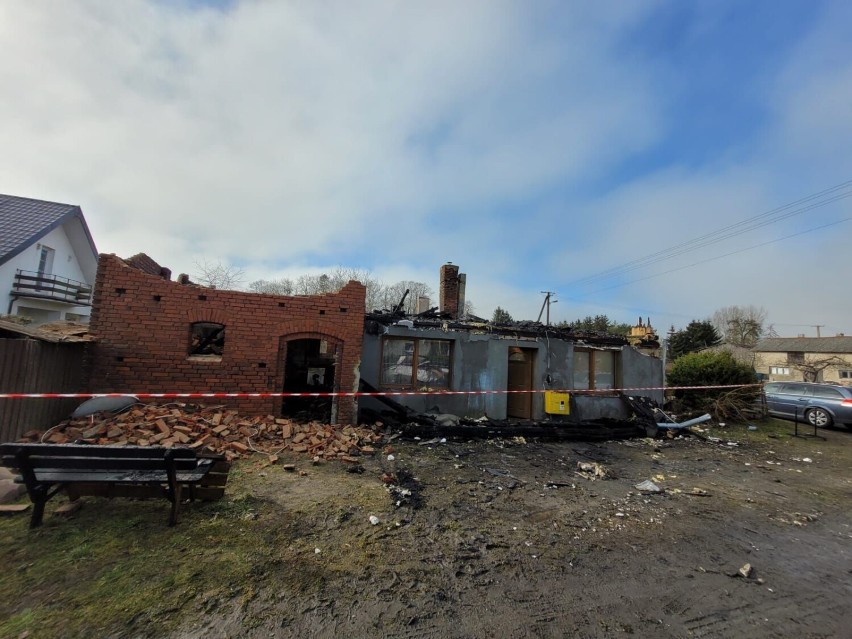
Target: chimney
{"points": [[422, 305], [449, 290], [462, 284]]}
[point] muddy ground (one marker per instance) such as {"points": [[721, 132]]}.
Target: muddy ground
{"points": [[508, 538]]}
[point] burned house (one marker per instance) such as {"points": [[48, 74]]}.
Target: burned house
{"points": [[155, 335], [522, 370]]}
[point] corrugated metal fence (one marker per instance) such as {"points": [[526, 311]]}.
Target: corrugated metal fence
{"points": [[31, 366]]}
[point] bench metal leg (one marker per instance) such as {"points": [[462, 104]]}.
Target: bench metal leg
{"points": [[39, 500], [174, 486], [176, 497]]}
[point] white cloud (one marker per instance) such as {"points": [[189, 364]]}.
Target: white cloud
{"points": [[289, 137], [285, 130]]}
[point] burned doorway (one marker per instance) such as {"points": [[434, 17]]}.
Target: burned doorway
{"points": [[309, 367], [519, 402]]}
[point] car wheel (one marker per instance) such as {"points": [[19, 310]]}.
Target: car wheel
{"points": [[819, 417]]}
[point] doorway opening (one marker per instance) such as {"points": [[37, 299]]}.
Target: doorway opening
{"points": [[309, 367], [519, 402]]}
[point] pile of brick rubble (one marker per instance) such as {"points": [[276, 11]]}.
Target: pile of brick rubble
{"points": [[216, 429]]}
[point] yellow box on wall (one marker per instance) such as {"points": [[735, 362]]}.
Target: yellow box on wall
{"points": [[556, 403]]}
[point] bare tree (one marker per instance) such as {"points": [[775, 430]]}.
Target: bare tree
{"points": [[379, 296], [390, 295], [812, 369], [740, 325], [219, 275], [342, 275], [280, 286]]}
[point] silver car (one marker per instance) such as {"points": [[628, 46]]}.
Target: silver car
{"points": [[819, 404]]}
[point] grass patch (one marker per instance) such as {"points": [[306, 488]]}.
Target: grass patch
{"points": [[117, 568], [766, 430]]}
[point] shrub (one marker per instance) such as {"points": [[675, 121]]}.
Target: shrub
{"points": [[712, 369]]}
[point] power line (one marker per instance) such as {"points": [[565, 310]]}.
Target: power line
{"points": [[718, 257], [744, 226]]}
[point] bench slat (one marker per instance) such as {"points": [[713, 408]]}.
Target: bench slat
{"points": [[80, 450], [39, 460], [146, 477]]}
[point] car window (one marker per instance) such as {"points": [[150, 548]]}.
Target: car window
{"points": [[826, 392], [771, 388], [792, 389]]}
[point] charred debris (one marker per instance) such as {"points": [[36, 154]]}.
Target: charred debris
{"points": [[446, 320]]}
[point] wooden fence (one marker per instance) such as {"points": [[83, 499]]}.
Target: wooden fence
{"points": [[32, 366]]}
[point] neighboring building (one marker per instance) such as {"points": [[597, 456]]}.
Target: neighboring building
{"points": [[478, 362], [810, 359], [154, 335], [48, 260], [742, 354], [644, 338]]}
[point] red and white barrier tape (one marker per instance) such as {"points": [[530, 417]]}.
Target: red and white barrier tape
{"points": [[353, 394]]}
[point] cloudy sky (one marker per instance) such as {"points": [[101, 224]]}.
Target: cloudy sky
{"points": [[562, 146]]}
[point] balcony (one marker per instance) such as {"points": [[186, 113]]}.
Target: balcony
{"points": [[51, 287]]}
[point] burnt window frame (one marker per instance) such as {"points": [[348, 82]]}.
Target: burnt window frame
{"points": [[413, 383], [616, 369], [211, 351]]}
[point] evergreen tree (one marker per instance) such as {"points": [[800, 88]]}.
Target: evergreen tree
{"points": [[697, 336], [501, 316], [598, 324]]}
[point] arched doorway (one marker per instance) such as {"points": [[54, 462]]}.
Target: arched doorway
{"points": [[310, 366]]}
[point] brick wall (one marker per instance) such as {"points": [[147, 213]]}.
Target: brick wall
{"points": [[145, 263], [142, 325]]}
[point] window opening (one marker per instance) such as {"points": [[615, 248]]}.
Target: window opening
{"points": [[207, 339], [595, 370], [416, 363], [45, 260]]}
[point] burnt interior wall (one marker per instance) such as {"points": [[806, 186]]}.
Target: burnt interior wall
{"points": [[142, 324]]}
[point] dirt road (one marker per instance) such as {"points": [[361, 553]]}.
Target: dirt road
{"points": [[512, 539]]}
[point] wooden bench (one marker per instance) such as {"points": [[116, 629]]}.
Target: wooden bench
{"points": [[114, 471]]}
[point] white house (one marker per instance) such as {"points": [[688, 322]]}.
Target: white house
{"points": [[48, 260]]}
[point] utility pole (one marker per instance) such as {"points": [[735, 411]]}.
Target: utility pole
{"points": [[548, 300], [818, 326]]}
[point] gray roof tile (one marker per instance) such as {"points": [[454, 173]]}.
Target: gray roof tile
{"points": [[23, 221], [839, 344]]}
